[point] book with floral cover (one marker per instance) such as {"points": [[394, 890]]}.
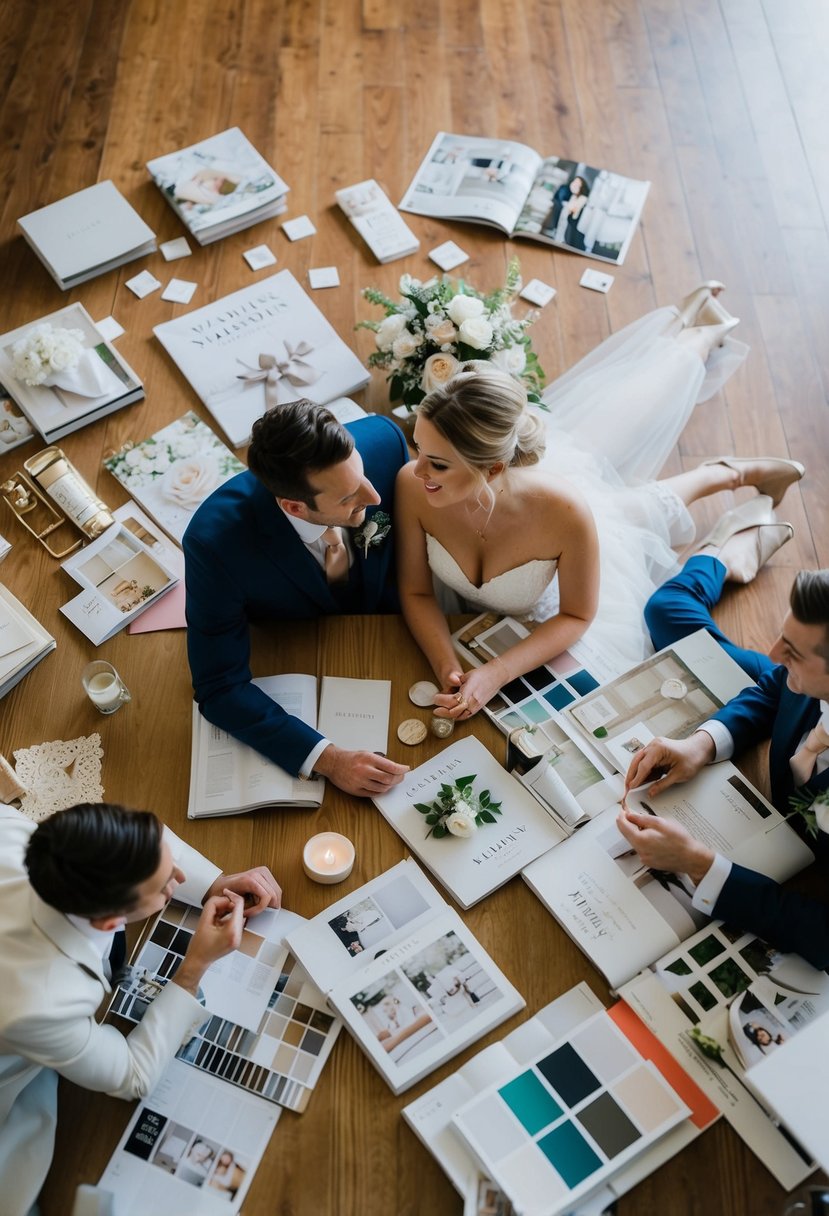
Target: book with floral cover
{"points": [[507, 185], [219, 186], [172, 472], [266, 343]]}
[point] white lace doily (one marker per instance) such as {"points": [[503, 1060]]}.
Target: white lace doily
{"points": [[59, 774]]}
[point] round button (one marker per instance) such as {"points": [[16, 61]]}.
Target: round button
{"points": [[674, 689], [423, 693], [411, 731], [442, 727]]}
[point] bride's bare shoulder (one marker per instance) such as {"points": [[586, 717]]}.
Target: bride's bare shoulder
{"points": [[553, 495]]}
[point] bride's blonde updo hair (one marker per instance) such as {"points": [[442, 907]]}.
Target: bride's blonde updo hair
{"points": [[482, 411]]}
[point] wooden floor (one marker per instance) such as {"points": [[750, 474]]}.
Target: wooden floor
{"points": [[721, 103]]}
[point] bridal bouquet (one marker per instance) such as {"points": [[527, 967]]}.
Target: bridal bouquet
{"points": [[458, 810], [438, 325]]}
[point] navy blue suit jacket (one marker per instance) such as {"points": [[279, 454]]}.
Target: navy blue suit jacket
{"points": [[787, 919], [245, 563]]}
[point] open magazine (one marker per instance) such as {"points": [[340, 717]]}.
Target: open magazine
{"points": [[404, 973], [507, 185]]}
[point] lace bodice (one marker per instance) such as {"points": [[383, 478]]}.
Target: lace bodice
{"points": [[525, 591]]}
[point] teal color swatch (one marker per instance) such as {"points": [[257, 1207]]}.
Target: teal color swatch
{"points": [[530, 1102], [569, 1153]]}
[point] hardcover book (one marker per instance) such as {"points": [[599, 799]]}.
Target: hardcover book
{"points": [[87, 234], [404, 973], [267, 340], [219, 186], [23, 641], [507, 185], [14, 427], [101, 383], [172, 472], [354, 714]]}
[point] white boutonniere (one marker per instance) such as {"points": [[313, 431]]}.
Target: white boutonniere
{"points": [[372, 532], [458, 810], [812, 808]]}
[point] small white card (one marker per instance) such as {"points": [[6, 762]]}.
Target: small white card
{"points": [[324, 276], [296, 229], [538, 292], [448, 255], [258, 257], [109, 329], [143, 284], [596, 280], [179, 291], [171, 250]]}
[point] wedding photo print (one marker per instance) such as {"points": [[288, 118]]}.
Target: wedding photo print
{"points": [[373, 920], [190, 1157], [124, 573]]}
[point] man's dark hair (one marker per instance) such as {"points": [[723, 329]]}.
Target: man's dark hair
{"points": [[291, 442], [89, 859], [809, 602]]}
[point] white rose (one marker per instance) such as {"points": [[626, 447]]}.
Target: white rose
{"points": [[463, 308], [512, 359], [440, 329], [190, 481], [407, 283], [406, 345], [476, 332], [390, 328], [437, 370], [134, 457], [462, 825]]}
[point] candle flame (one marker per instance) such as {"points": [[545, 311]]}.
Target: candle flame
{"points": [[329, 857]]}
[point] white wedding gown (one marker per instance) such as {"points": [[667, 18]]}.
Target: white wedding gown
{"points": [[612, 421]]}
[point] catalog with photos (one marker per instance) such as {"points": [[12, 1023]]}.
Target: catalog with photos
{"points": [[86, 234], [268, 341], [576, 1102], [671, 694], [172, 472], [228, 778], [168, 611], [267, 1027], [15, 428], [193, 1145], [219, 186], [724, 1001], [514, 827], [793, 1083], [120, 576], [23, 641], [405, 974], [96, 381], [503, 183], [623, 915]]}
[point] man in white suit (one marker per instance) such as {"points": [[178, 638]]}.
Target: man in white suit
{"points": [[67, 887]]}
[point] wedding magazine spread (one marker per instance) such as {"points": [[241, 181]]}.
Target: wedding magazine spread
{"points": [[404, 973], [507, 185]]}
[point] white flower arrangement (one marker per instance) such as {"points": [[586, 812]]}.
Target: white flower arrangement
{"points": [[458, 810], [812, 808], [438, 325], [186, 463], [44, 351]]}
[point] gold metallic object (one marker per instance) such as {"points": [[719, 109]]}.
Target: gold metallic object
{"points": [[36, 513], [54, 472]]}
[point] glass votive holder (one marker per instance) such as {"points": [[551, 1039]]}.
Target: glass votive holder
{"points": [[104, 687]]}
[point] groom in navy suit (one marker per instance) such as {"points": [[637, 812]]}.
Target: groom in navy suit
{"points": [[786, 704], [303, 533]]}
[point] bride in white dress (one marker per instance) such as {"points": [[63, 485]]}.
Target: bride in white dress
{"points": [[549, 516]]}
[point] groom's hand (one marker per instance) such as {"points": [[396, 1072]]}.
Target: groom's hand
{"points": [[360, 773], [668, 761]]}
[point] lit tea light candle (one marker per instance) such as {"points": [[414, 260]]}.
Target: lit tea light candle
{"points": [[328, 857]]}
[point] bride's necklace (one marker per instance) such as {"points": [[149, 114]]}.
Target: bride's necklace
{"points": [[481, 532]]}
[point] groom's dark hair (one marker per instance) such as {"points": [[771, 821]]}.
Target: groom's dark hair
{"points": [[291, 442], [809, 602]]}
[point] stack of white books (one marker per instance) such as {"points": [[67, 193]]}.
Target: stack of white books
{"points": [[23, 641], [219, 186], [101, 383], [87, 234]]}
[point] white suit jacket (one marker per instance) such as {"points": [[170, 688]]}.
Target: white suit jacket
{"points": [[51, 984]]}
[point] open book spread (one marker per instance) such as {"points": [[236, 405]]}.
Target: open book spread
{"points": [[268, 1029], [723, 1002], [404, 972], [172, 472], [193, 1145], [471, 866], [122, 573], [504, 183], [100, 383], [268, 341], [575, 1101], [23, 641], [86, 234], [219, 186], [227, 777]]}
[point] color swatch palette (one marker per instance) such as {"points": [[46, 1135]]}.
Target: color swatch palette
{"points": [[566, 1121], [538, 695]]}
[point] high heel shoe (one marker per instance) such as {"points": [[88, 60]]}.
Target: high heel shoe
{"points": [[747, 515], [781, 475], [692, 303], [712, 312]]}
